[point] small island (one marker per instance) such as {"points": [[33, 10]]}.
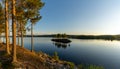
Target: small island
{"points": [[62, 38]]}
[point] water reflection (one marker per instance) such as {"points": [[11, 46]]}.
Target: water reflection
{"points": [[61, 45], [96, 52]]}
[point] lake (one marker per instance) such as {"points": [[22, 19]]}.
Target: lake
{"points": [[98, 52]]}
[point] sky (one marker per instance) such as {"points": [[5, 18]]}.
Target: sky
{"points": [[79, 17]]}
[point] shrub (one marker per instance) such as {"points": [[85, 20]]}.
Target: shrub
{"points": [[56, 57]]}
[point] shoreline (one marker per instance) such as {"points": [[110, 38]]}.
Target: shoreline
{"points": [[28, 59], [38, 60]]}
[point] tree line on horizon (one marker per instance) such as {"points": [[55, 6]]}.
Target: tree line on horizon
{"points": [[104, 37], [19, 13]]}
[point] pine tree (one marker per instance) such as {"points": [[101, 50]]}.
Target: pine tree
{"points": [[14, 58], [6, 27]]}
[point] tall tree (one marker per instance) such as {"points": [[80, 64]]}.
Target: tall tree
{"points": [[6, 27], [20, 19], [33, 21], [32, 13], [18, 31], [14, 58]]}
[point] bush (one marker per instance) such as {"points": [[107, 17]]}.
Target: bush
{"points": [[56, 57]]}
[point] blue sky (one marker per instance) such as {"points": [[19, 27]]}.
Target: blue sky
{"points": [[79, 17]]}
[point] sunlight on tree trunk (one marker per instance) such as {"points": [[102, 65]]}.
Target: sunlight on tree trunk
{"points": [[6, 27], [14, 58]]}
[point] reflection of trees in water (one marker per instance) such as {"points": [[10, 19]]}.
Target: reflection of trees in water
{"points": [[61, 45]]}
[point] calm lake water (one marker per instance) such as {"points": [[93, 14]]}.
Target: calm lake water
{"points": [[98, 52]]}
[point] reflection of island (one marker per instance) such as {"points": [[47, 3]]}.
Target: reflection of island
{"points": [[61, 45]]}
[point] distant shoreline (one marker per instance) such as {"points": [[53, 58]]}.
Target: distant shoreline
{"points": [[104, 37]]}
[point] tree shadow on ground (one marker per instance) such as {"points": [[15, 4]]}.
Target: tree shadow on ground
{"points": [[5, 59]]}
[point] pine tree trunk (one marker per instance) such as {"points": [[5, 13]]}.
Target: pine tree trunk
{"points": [[22, 44], [18, 33], [0, 39], [14, 58], [6, 27], [31, 37], [18, 40]]}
